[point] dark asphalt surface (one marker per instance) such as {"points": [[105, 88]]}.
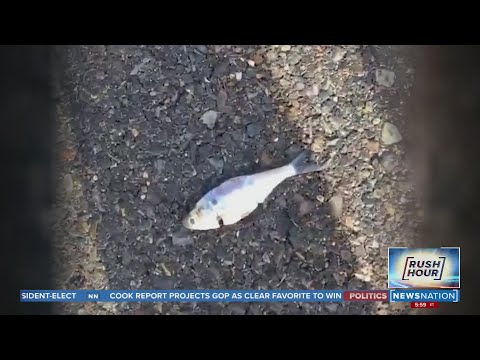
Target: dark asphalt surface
{"points": [[135, 156]]}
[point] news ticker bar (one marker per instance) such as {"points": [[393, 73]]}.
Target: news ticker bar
{"points": [[238, 295]]}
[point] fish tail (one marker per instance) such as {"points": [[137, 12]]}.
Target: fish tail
{"points": [[301, 164]]}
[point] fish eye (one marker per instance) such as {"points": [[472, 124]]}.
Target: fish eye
{"points": [[214, 201], [192, 221]]}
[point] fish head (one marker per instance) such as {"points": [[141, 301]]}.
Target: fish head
{"points": [[201, 218]]}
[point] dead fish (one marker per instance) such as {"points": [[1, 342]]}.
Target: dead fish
{"points": [[238, 197]]}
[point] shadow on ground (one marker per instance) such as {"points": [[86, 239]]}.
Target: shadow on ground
{"points": [[142, 156]]}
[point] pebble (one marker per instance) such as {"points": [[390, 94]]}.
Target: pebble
{"points": [[346, 255], [318, 144], [159, 165], [82, 312], [323, 95], [285, 47], [294, 59], [284, 82], [299, 86], [253, 129], [238, 76], [390, 134], [202, 48], [217, 164], [384, 77], [305, 207], [336, 206], [271, 56], [338, 54], [135, 132], [68, 183], [313, 91], [333, 142], [388, 161], [373, 146], [209, 118], [331, 307], [222, 100], [181, 238], [359, 251], [265, 159]]}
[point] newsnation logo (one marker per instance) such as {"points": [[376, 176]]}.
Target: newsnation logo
{"points": [[435, 268]]}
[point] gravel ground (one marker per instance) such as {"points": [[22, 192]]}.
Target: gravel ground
{"points": [[144, 131]]}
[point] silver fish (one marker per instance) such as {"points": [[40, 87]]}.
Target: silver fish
{"points": [[238, 197]]}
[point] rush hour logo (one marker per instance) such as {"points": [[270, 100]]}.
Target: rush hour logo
{"points": [[424, 268]]}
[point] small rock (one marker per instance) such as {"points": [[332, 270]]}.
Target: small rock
{"points": [[135, 133], [369, 107], [293, 150], [376, 121], [202, 48], [265, 159], [68, 183], [217, 164], [313, 91], [332, 307], [82, 312], [390, 134], [222, 100], [373, 146], [294, 59], [318, 144], [159, 165], [384, 77], [285, 47], [359, 251], [271, 56], [390, 209], [346, 255], [238, 76], [327, 106], [305, 207], [251, 63], [253, 129], [182, 238], [333, 142], [375, 244], [295, 104], [388, 161], [284, 83], [258, 59], [292, 114], [138, 67], [209, 118], [349, 222], [299, 86], [338, 54], [323, 95], [336, 205]]}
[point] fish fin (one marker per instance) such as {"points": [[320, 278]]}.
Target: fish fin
{"points": [[301, 165]]}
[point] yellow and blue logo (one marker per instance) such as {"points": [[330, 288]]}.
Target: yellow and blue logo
{"points": [[435, 268]]}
